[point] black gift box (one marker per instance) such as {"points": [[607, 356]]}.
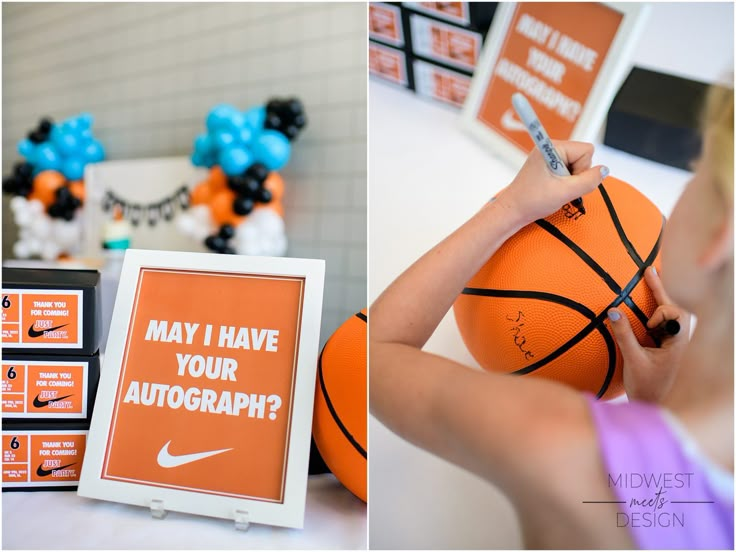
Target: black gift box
{"points": [[656, 116]]}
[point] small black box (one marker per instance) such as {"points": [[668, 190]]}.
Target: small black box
{"points": [[656, 116], [50, 311], [42, 389], [48, 459]]}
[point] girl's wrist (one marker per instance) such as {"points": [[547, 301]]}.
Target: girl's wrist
{"points": [[505, 218]]}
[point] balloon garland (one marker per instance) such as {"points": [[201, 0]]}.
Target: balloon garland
{"points": [[237, 208], [47, 186]]}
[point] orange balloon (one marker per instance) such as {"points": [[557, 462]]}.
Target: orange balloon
{"points": [[45, 185], [275, 184], [77, 189], [201, 193], [274, 205], [221, 207], [217, 178]]}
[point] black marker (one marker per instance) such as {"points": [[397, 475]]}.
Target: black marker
{"points": [[668, 328], [527, 115]]}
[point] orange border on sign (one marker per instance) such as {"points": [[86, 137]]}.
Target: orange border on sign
{"points": [[113, 420]]}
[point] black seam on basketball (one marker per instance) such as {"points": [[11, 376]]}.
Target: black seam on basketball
{"points": [[332, 410], [642, 318], [362, 316], [582, 334], [611, 346], [587, 259], [631, 250], [541, 295], [629, 302]]}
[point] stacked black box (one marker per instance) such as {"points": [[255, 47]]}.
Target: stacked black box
{"points": [[429, 47], [50, 374]]}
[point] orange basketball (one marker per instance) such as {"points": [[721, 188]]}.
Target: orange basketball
{"points": [[341, 403], [539, 306]]}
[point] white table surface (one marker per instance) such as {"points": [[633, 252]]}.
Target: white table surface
{"points": [[426, 178], [334, 519]]}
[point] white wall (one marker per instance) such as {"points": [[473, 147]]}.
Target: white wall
{"points": [[149, 73]]}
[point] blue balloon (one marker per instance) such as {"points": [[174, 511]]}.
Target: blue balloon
{"points": [[85, 136], [245, 135], [202, 144], [73, 168], [85, 121], [94, 152], [235, 160], [272, 149], [219, 117], [28, 150], [223, 140], [64, 142], [255, 117], [236, 122], [46, 157]]}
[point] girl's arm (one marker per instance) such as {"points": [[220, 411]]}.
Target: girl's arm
{"points": [[484, 422]]}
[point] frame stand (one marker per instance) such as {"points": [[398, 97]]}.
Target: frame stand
{"points": [[242, 520], [157, 509]]}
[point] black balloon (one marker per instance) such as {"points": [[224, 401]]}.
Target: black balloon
{"points": [[285, 116], [227, 231], [215, 243], [243, 205], [228, 250], [259, 171], [264, 196]]}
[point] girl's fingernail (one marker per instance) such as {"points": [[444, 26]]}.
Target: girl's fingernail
{"points": [[614, 315], [604, 172], [654, 269]]}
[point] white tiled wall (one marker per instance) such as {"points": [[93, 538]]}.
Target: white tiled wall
{"points": [[149, 73]]}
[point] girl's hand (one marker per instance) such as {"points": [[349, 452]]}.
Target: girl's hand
{"points": [[537, 192], [649, 373]]}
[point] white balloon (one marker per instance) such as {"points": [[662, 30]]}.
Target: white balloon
{"points": [[35, 206], [40, 226], [185, 223], [67, 234], [23, 218], [201, 213], [50, 251], [18, 203], [34, 245], [20, 249]]}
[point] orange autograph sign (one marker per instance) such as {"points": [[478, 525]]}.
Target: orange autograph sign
{"points": [[204, 399], [554, 60]]}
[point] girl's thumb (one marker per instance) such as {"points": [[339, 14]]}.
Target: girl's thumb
{"points": [[588, 180]]}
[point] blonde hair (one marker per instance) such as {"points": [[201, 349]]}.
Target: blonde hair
{"points": [[717, 124]]}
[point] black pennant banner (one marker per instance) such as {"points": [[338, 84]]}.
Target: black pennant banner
{"points": [[152, 212]]}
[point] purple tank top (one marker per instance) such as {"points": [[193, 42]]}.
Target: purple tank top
{"points": [[670, 496]]}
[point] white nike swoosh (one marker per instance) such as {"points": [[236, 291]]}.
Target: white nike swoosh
{"points": [[509, 122], [167, 460]]}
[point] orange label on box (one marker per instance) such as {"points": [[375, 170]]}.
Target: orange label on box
{"points": [[384, 23], [458, 12], [440, 84], [42, 458], [445, 43], [553, 60], [42, 318], [208, 370], [36, 389], [387, 63]]}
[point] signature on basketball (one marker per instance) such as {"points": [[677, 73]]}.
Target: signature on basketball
{"points": [[571, 212], [518, 331]]}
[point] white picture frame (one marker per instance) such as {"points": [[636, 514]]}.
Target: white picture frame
{"points": [[611, 75], [290, 511]]}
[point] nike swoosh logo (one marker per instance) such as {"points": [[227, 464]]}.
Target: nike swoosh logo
{"points": [[167, 460], [33, 332], [38, 403], [45, 473], [510, 122]]}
